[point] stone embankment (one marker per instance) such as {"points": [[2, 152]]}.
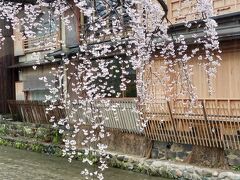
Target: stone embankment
{"points": [[44, 139], [171, 170]]}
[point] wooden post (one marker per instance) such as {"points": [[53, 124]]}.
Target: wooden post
{"points": [[7, 86], [206, 124], [173, 123]]}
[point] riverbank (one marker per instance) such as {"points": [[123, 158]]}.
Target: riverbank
{"points": [[44, 139]]}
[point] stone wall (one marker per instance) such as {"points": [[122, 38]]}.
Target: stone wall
{"points": [[126, 143], [171, 170], [34, 132], [37, 138], [170, 151], [179, 152]]}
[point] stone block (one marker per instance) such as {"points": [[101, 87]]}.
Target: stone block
{"points": [[28, 131], [155, 154], [233, 160], [177, 148], [120, 157], [43, 134], [3, 129]]}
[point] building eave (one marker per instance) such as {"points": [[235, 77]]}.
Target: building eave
{"points": [[228, 27]]}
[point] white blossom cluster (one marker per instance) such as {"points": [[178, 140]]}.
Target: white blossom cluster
{"points": [[137, 33]]}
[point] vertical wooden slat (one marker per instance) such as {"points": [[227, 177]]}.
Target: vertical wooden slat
{"points": [[173, 123]]}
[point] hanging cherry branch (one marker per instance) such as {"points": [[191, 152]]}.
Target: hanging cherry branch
{"points": [[117, 36]]}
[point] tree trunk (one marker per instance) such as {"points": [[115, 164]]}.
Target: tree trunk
{"points": [[208, 157]]}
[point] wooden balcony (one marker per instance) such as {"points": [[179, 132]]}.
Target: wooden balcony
{"points": [[41, 43], [209, 122], [179, 11]]}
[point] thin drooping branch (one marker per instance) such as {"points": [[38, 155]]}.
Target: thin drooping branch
{"points": [[91, 82]]}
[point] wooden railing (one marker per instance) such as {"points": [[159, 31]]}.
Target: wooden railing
{"points": [[41, 43], [180, 11], [207, 122]]}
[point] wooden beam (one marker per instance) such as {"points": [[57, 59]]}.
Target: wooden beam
{"points": [[173, 122]]}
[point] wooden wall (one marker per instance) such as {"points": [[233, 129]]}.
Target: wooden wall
{"points": [[227, 82], [181, 10], [19, 90], [226, 85], [6, 76]]}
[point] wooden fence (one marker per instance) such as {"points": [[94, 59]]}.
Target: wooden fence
{"points": [[123, 117], [213, 123], [126, 116], [33, 111]]}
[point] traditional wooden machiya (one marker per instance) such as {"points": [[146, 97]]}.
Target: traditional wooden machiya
{"points": [[213, 120]]}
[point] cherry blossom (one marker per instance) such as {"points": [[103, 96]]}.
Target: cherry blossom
{"points": [[139, 34]]}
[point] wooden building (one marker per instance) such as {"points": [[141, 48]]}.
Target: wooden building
{"points": [[214, 119], [31, 62]]}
